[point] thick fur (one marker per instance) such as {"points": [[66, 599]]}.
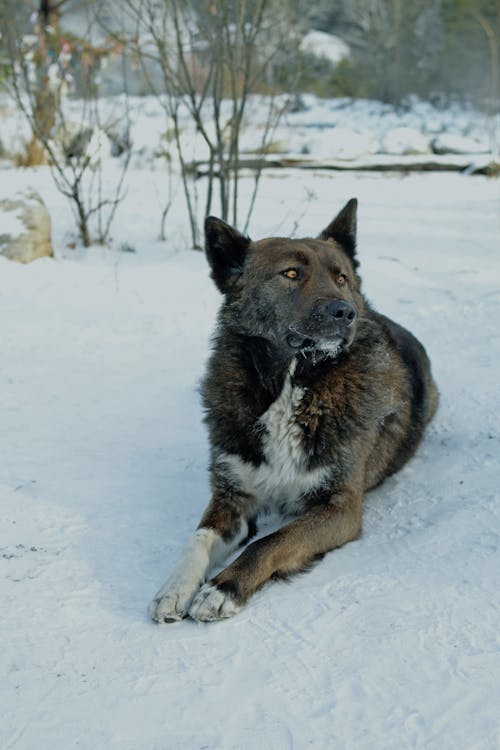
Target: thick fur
{"points": [[312, 398]]}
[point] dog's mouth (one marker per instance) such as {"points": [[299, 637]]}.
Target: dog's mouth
{"points": [[329, 346], [299, 342]]}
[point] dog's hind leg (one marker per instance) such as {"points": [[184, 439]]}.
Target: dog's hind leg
{"points": [[289, 550], [223, 526]]}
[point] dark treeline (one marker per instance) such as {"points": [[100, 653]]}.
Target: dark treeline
{"points": [[437, 49], [433, 48]]}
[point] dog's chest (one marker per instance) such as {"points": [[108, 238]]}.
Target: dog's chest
{"points": [[283, 436], [283, 479]]}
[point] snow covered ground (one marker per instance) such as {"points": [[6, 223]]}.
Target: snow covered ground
{"points": [[389, 643], [341, 128]]}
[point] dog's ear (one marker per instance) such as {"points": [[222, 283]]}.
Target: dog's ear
{"points": [[226, 249], [343, 228]]}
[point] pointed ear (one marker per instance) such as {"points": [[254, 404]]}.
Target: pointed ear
{"points": [[226, 249], [343, 228]]}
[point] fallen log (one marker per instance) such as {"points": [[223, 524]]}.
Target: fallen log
{"points": [[467, 164]]}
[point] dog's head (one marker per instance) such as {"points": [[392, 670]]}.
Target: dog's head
{"points": [[302, 295]]}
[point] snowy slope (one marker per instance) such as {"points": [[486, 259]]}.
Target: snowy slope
{"points": [[389, 643]]}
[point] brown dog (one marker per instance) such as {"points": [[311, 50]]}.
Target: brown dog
{"points": [[312, 398]]}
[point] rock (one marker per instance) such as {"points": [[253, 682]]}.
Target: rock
{"points": [[120, 140], [344, 143], [76, 146], [24, 227], [405, 141], [446, 143], [74, 141]]}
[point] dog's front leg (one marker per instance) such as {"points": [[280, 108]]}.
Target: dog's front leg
{"points": [[225, 523], [289, 550]]}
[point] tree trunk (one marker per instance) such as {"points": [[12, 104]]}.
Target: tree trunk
{"points": [[45, 95]]}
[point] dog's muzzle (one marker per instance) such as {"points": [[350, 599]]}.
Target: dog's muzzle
{"points": [[342, 312], [329, 324]]}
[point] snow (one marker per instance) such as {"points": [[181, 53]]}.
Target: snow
{"points": [[405, 141], [14, 130], [328, 46], [10, 219], [456, 144], [324, 128], [390, 642], [344, 143]]}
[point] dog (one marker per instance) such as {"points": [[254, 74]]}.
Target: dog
{"points": [[312, 398]]}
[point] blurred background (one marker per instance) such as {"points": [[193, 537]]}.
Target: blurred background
{"points": [[441, 50], [207, 92]]}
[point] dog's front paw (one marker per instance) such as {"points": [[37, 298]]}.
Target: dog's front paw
{"points": [[213, 603], [172, 602]]}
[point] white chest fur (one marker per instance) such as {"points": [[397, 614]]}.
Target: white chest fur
{"points": [[282, 480]]}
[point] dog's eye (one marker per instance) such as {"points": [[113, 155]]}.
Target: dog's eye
{"points": [[291, 273], [341, 279]]}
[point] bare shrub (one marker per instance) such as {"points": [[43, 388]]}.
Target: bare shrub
{"points": [[67, 130], [211, 57]]}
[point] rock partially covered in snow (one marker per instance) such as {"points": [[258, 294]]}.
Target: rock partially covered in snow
{"points": [[447, 143], [24, 227], [344, 143], [75, 141], [327, 46], [405, 141]]}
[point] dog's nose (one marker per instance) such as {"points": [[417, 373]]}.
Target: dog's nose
{"points": [[342, 311]]}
